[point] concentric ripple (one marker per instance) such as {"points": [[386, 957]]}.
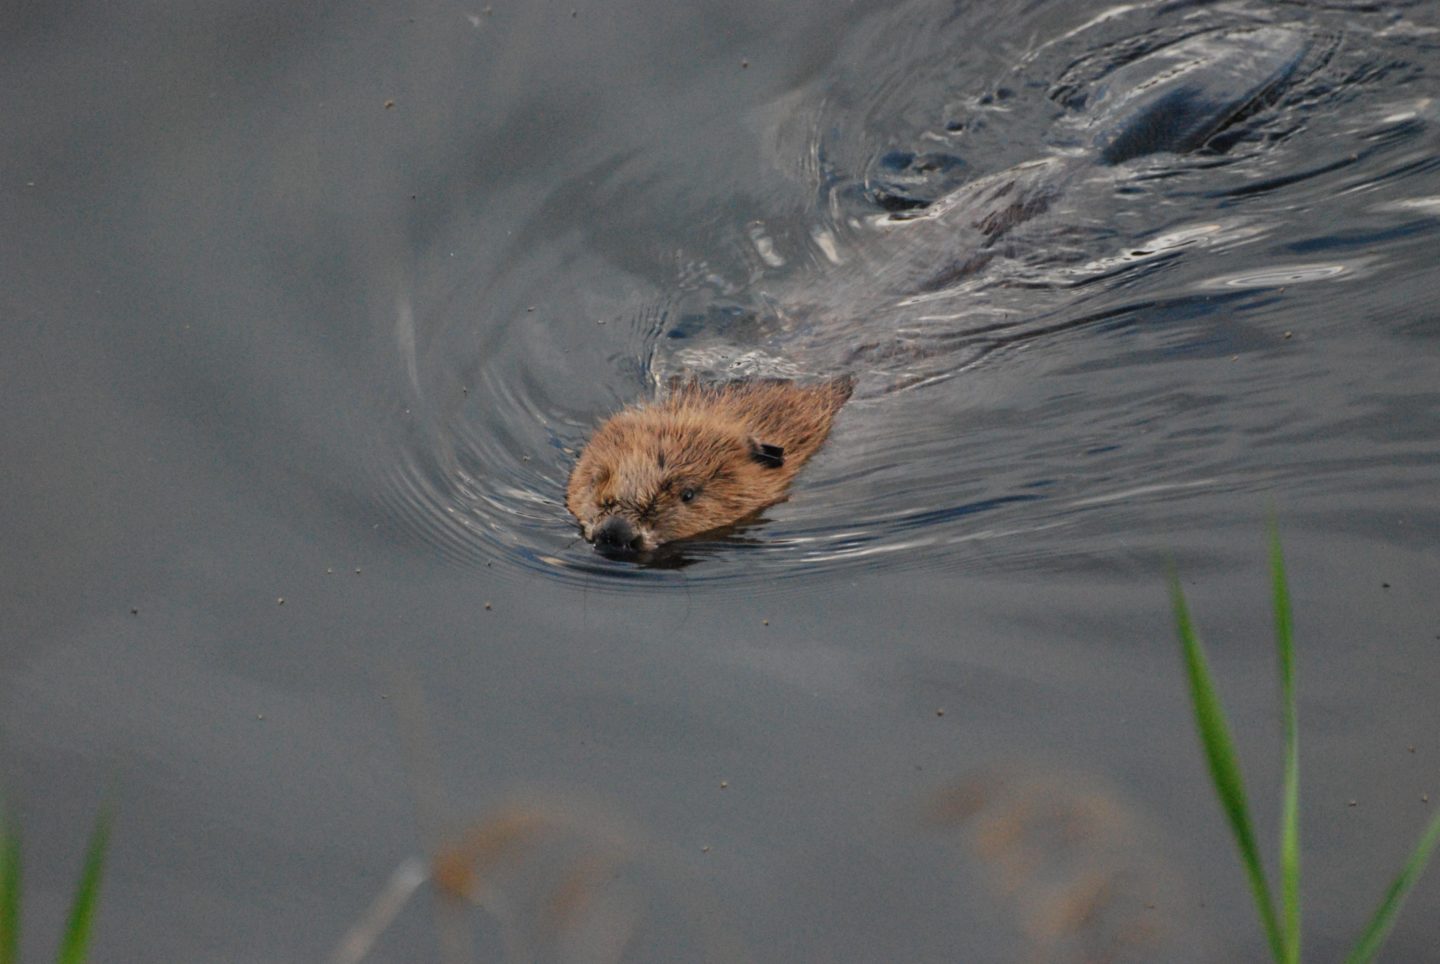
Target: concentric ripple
{"points": [[1100, 345]]}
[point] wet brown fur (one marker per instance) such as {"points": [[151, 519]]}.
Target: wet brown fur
{"points": [[709, 442]]}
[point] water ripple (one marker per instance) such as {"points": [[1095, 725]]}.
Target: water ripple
{"points": [[1106, 348]]}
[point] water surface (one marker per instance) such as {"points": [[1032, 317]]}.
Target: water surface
{"points": [[317, 306]]}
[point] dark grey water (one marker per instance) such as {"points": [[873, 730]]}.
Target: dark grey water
{"points": [[316, 305]]}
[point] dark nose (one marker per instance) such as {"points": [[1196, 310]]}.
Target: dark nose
{"points": [[616, 534]]}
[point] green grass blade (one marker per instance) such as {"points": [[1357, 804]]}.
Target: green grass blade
{"points": [[1379, 928], [1290, 805], [9, 891], [75, 945], [1224, 767]]}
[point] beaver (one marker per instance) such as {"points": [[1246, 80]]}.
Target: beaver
{"points": [[707, 457], [703, 458]]}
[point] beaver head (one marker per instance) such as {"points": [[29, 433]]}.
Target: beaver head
{"points": [[703, 458]]}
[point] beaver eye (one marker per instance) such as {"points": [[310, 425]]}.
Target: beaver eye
{"points": [[688, 495]]}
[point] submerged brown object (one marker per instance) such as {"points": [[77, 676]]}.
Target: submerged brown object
{"points": [[702, 458]]}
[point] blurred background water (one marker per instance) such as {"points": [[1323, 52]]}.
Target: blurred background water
{"points": [[306, 311]]}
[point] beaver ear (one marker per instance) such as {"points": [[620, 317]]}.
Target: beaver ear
{"points": [[770, 456]]}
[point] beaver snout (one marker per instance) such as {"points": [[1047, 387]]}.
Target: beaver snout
{"points": [[616, 536]]}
